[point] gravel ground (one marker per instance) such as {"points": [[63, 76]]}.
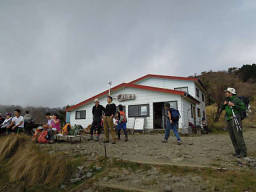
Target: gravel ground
{"points": [[213, 150]]}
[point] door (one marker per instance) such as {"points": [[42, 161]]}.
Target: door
{"points": [[158, 117]]}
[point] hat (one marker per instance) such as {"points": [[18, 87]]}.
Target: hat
{"points": [[9, 114], [96, 100], [231, 90]]}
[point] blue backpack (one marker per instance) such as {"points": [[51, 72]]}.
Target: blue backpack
{"points": [[175, 114]]}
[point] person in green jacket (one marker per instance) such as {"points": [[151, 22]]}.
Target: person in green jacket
{"points": [[234, 104]]}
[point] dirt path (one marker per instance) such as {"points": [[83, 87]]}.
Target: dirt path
{"points": [[213, 150], [202, 163]]}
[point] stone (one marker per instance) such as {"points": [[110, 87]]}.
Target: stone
{"points": [[89, 174], [167, 188], [80, 168], [105, 179], [75, 180], [98, 168], [63, 186]]}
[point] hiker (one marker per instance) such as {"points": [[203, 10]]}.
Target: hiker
{"points": [[17, 122], [49, 126], [108, 120], [6, 123], [49, 119], [205, 126], [234, 107], [121, 123], [1, 119], [171, 123], [28, 122], [97, 112], [55, 123]]}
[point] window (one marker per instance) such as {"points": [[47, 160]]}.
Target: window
{"points": [[192, 111], [174, 104], [198, 112], [138, 110], [81, 114], [202, 97], [204, 115], [197, 92], [185, 89]]}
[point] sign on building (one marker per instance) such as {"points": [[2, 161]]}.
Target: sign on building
{"points": [[125, 97]]}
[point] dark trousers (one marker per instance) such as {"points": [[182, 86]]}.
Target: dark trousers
{"points": [[2, 130], [173, 127], [28, 128], [96, 125], [236, 137], [119, 127]]}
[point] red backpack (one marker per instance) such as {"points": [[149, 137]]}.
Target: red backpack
{"points": [[42, 137], [122, 113]]}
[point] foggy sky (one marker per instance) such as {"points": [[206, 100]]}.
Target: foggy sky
{"points": [[58, 52]]}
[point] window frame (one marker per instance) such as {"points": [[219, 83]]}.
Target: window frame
{"points": [[197, 92], [203, 97], [139, 110], [76, 116], [177, 88], [199, 112]]}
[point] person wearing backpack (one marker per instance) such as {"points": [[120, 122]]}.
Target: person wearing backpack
{"points": [[171, 123], [121, 123], [234, 108]]}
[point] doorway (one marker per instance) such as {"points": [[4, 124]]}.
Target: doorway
{"points": [[159, 116]]}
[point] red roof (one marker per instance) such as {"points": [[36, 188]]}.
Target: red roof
{"points": [[124, 85], [164, 77]]}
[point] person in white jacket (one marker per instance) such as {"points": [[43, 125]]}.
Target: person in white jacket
{"points": [[6, 123]]}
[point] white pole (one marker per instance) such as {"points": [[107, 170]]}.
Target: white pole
{"points": [[110, 84]]}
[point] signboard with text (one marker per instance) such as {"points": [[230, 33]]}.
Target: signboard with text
{"points": [[126, 97]]}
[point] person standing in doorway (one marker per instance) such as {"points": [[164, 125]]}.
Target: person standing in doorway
{"points": [[97, 112], [108, 124], [234, 108], [171, 123]]}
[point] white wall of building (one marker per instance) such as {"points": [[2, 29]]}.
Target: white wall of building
{"points": [[172, 84], [169, 84], [142, 97]]}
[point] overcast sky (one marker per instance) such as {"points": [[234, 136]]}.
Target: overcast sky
{"points": [[58, 52]]}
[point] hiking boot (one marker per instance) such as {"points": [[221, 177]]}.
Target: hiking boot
{"points": [[164, 141], [179, 142], [126, 138], [91, 138], [97, 138], [243, 155], [236, 155]]}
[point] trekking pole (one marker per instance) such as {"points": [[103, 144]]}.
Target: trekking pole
{"points": [[105, 149], [237, 124]]}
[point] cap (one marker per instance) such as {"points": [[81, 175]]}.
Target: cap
{"points": [[96, 100], [231, 90]]}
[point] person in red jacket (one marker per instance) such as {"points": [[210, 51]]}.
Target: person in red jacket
{"points": [[121, 123]]}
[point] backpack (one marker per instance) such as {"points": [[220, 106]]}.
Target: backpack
{"points": [[122, 113], [36, 135], [246, 102], [43, 137], [66, 129], [175, 114]]}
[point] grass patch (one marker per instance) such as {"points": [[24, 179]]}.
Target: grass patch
{"points": [[27, 163]]}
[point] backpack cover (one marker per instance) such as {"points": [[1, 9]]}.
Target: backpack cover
{"points": [[43, 137], [246, 102], [175, 114]]}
